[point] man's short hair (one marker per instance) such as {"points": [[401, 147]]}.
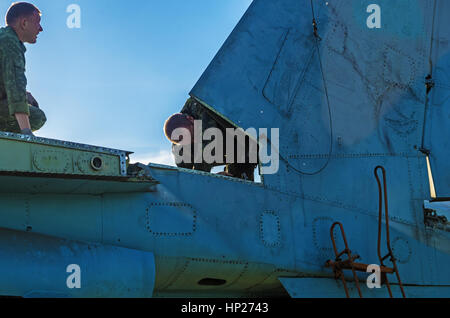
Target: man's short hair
{"points": [[175, 121], [18, 10]]}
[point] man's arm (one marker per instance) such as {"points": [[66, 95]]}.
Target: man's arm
{"points": [[13, 74]]}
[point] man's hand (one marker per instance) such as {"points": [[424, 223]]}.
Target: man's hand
{"points": [[31, 100]]}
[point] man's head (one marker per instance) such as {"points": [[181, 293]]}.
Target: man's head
{"points": [[173, 128], [25, 19]]}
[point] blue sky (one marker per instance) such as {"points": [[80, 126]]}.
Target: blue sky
{"points": [[114, 81]]}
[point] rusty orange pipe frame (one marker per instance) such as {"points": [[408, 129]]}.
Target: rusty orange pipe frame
{"points": [[349, 261]]}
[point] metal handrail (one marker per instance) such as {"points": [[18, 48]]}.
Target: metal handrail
{"points": [[338, 271], [388, 241]]}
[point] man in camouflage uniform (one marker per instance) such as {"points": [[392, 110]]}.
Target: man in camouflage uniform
{"points": [[19, 111], [194, 110]]}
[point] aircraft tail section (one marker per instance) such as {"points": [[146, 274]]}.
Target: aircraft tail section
{"points": [[345, 93]]}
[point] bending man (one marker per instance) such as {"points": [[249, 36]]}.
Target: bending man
{"points": [[192, 111]]}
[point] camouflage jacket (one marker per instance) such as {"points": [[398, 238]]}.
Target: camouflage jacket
{"points": [[13, 82]]}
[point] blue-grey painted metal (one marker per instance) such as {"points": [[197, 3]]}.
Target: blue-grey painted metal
{"points": [[437, 128], [346, 99]]}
